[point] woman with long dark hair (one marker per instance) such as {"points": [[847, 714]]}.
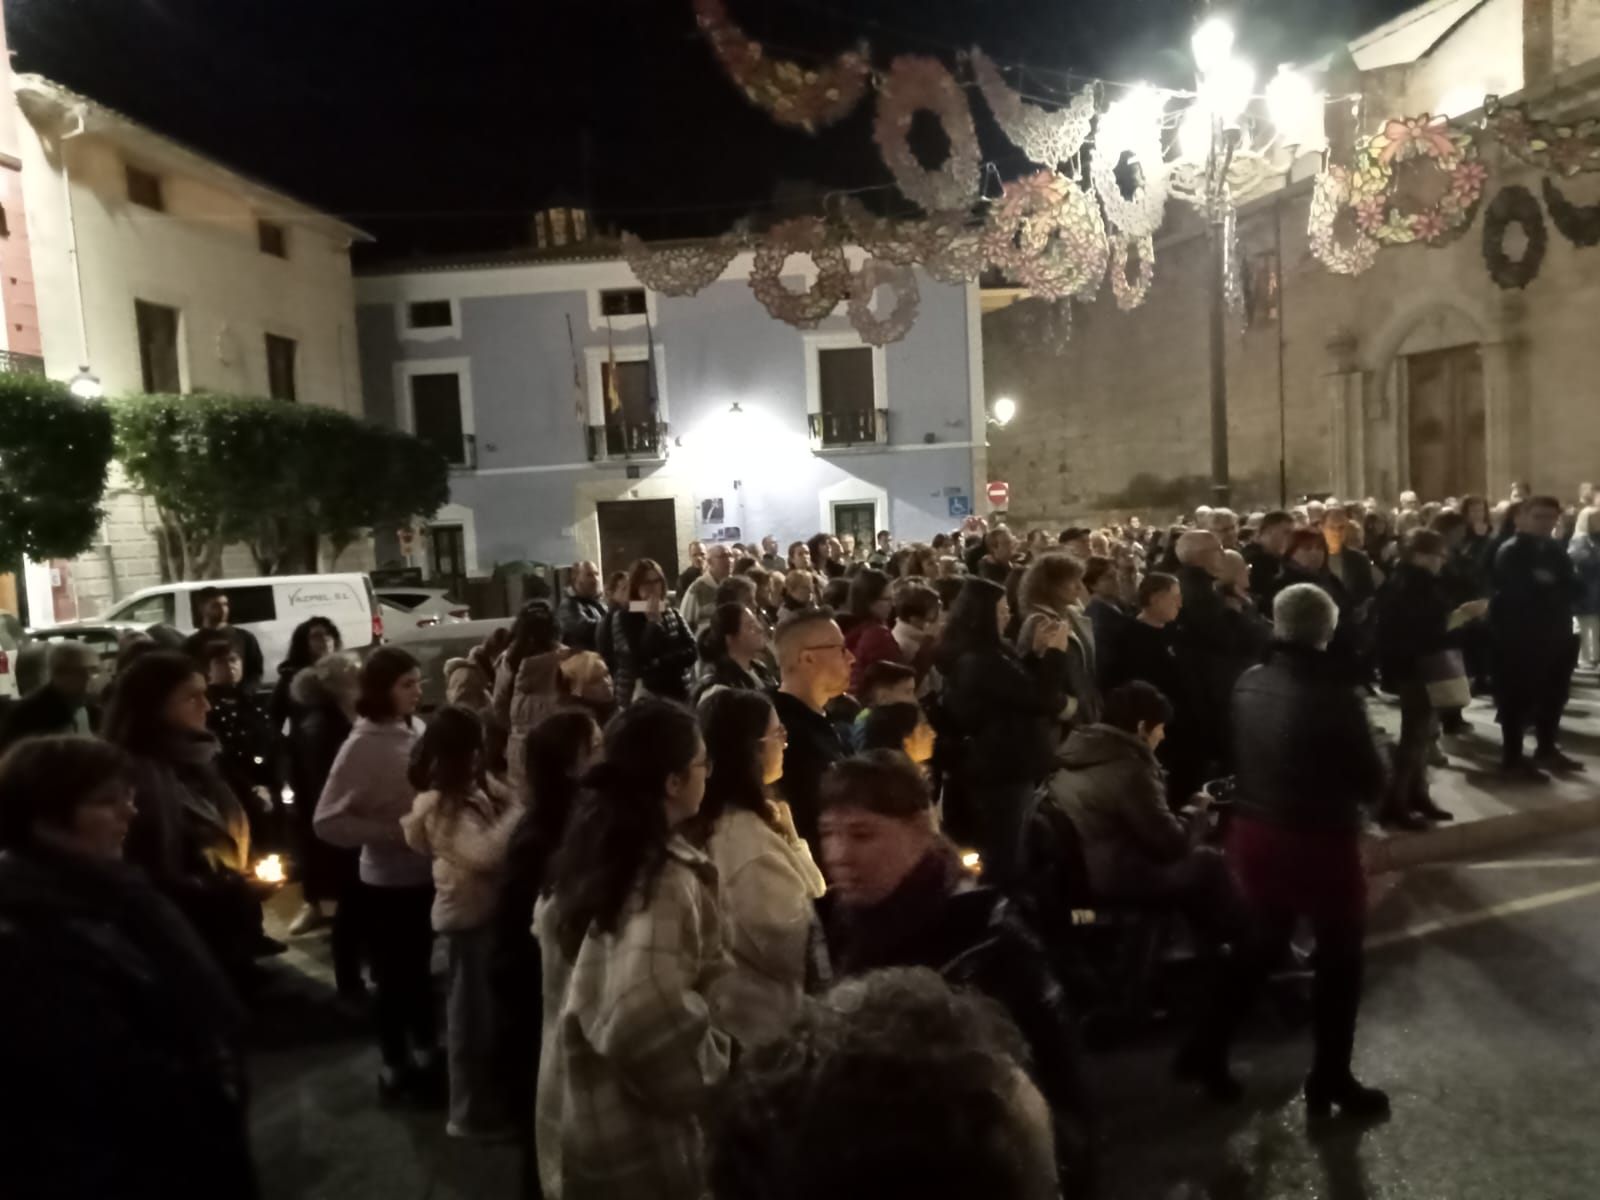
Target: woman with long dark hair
{"points": [[527, 682], [632, 942], [367, 793], [730, 653], [464, 823], [192, 833], [1002, 711], [311, 641], [768, 880], [653, 646], [866, 627]]}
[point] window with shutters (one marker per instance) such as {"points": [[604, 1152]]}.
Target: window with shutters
{"points": [[438, 408], [846, 392], [157, 327]]}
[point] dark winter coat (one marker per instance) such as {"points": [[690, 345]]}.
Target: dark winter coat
{"points": [[1264, 567], [1112, 788], [580, 619], [814, 745], [1535, 594], [1005, 711], [723, 672], [1413, 622], [941, 919], [315, 735], [1215, 645], [42, 713], [1584, 551], [655, 655], [244, 642], [248, 757], [1303, 751], [870, 641], [120, 1041]]}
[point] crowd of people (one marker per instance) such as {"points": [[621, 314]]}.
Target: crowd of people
{"points": [[748, 880]]}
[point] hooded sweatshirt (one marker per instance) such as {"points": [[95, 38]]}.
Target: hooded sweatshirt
{"points": [[366, 795]]}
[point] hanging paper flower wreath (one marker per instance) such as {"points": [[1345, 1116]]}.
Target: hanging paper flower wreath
{"points": [[1514, 205], [1141, 214], [876, 273], [1048, 235], [960, 260], [903, 243], [802, 235], [1131, 293], [915, 83], [1565, 149], [786, 91], [1330, 200], [1375, 185], [679, 270], [1045, 137], [1578, 223]]}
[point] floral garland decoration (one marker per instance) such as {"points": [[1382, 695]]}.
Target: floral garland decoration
{"points": [[1048, 234], [915, 83], [1330, 200], [1514, 205], [1131, 293], [1121, 131], [876, 273], [1045, 137], [802, 235], [1565, 149], [1375, 183], [1578, 223], [679, 270], [903, 243], [787, 92], [960, 260]]}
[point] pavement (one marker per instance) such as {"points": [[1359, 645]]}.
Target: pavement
{"points": [[1481, 1019]]}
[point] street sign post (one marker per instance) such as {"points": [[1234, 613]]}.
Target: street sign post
{"points": [[960, 506], [999, 494]]}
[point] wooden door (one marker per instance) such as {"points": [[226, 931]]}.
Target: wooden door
{"points": [[858, 519], [1445, 423], [635, 529]]}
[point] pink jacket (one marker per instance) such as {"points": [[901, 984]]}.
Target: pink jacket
{"points": [[366, 795]]}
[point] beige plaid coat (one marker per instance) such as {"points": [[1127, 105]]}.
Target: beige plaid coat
{"points": [[630, 1051]]}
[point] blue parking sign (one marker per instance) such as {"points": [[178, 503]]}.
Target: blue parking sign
{"points": [[960, 506]]}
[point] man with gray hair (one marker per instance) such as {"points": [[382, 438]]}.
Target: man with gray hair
{"points": [[1305, 765], [59, 706], [1225, 524]]}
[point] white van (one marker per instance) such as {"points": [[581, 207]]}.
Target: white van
{"points": [[269, 607]]}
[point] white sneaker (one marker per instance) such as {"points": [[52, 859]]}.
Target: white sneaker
{"points": [[308, 920]]}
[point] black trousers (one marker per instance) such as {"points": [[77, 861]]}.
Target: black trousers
{"points": [[1408, 787], [399, 927], [1532, 684], [349, 942]]}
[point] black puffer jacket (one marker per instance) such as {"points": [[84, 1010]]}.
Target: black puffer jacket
{"points": [[119, 1037], [1413, 622], [1005, 711], [1304, 754], [318, 727]]}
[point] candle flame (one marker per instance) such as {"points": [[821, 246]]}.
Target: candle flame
{"points": [[270, 869]]}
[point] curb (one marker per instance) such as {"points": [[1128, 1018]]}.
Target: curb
{"points": [[1401, 851]]}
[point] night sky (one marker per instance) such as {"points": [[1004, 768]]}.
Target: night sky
{"points": [[441, 126]]}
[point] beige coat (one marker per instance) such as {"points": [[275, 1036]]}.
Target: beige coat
{"points": [[631, 1055], [769, 883], [524, 698], [469, 856]]}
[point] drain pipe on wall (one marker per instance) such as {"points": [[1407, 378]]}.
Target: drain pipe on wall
{"points": [[72, 245]]}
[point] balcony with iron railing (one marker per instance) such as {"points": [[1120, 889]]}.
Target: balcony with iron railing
{"points": [[12, 363], [848, 429], [628, 441], [460, 452]]}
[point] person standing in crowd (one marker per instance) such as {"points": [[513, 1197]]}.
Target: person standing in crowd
{"points": [[1463, 580], [730, 653], [653, 646], [582, 609], [1215, 645], [367, 793], [765, 872], [814, 664], [1225, 524], [902, 727], [799, 590], [800, 557], [212, 610], [1306, 766], [697, 604], [996, 555], [1571, 524], [1003, 712], [469, 681], [827, 555], [464, 823], [191, 832], [633, 945], [527, 683], [1074, 541], [1104, 609], [901, 898], [847, 549], [311, 641], [882, 551], [1584, 550], [61, 705], [867, 632], [616, 602], [1416, 630], [120, 1036], [324, 711], [695, 569], [1530, 622], [1052, 591], [248, 743], [771, 560], [916, 627], [892, 1084]]}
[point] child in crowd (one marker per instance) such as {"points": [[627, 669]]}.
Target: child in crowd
{"points": [[465, 823], [883, 683]]}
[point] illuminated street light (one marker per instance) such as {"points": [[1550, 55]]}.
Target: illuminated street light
{"points": [[86, 385], [1296, 109], [1225, 92], [1212, 45], [1005, 408]]}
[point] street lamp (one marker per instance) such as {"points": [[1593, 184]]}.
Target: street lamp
{"points": [[86, 385], [1005, 408]]}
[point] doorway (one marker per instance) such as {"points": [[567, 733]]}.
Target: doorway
{"points": [[858, 518], [447, 556], [1446, 434], [635, 529]]}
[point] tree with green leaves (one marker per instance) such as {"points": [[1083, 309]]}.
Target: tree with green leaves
{"points": [[277, 477], [55, 451]]}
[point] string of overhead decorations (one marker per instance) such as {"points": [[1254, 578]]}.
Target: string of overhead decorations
{"points": [[1062, 241]]}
